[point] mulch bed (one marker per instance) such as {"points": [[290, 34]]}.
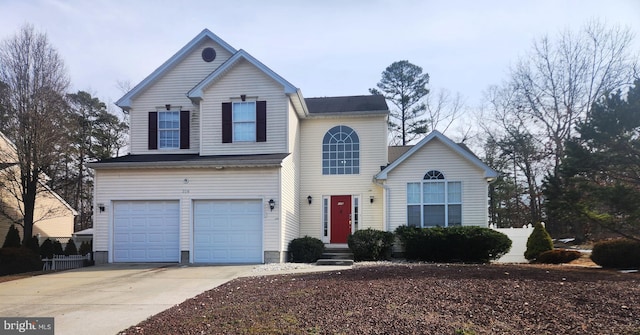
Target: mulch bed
{"points": [[414, 299]]}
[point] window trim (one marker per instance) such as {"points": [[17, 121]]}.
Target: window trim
{"points": [[253, 121], [335, 144], [160, 130], [422, 202]]}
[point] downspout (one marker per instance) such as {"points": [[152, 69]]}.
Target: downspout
{"points": [[387, 202]]}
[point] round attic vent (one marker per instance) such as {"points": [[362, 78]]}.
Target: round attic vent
{"points": [[208, 54]]}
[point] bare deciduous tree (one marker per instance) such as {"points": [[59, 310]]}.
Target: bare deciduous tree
{"points": [[36, 81]]}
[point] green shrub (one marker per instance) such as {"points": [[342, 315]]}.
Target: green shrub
{"points": [[18, 260], [70, 248], [453, 244], [370, 244], [32, 244], [12, 239], [538, 242], [617, 254], [558, 256], [57, 248], [46, 249], [85, 248], [305, 249]]}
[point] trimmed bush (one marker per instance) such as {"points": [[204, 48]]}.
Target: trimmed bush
{"points": [[305, 249], [70, 248], [370, 244], [617, 254], [85, 248], [46, 249], [558, 256], [453, 244], [57, 248], [538, 242], [12, 239], [18, 260]]}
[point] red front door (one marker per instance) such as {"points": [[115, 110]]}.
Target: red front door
{"points": [[340, 218]]}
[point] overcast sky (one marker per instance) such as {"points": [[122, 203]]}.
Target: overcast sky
{"points": [[324, 47]]}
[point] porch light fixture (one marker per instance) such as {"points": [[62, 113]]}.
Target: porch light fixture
{"points": [[371, 199], [272, 204], [167, 106], [309, 199], [101, 207]]}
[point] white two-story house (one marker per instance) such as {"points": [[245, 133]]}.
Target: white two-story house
{"points": [[229, 163]]}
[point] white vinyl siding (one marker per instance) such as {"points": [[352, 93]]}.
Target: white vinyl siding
{"points": [[435, 155], [243, 79], [187, 185], [371, 131], [171, 89]]}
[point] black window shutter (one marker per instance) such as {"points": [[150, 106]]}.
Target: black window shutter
{"points": [[153, 130], [227, 123], [261, 121], [184, 129]]}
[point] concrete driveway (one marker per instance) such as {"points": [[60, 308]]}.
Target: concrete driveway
{"points": [[106, 299]]}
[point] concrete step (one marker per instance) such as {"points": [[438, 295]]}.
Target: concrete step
{"points": [[337, 255], [334, 261]]}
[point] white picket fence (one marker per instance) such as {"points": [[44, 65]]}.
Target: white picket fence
{"points": [[61, 262]]}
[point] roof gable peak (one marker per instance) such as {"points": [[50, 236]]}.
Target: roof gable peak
{"points": [[125, 101]]}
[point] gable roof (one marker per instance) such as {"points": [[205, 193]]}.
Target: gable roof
{"points": [[369, 104], [489, 173], [125, 101], [197, 92]]}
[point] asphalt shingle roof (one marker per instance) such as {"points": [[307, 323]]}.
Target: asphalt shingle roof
{"points": [[171, 160], [356, 103]]}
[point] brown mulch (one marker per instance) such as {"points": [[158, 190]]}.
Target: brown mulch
{"points": [[414, 299]]}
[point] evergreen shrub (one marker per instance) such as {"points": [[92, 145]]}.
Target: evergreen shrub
{"points": [[70, 248], [305, 249], [558, 256], [617, 254], [18, 260], [370, 244], [12, 239], [538, 242]]}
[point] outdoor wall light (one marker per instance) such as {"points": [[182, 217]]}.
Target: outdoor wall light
{"points": [[309, 199], [101, 207], [167, 106], [371, 199], [272, 204]]}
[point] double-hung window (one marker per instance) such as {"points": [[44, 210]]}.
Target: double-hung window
{"points": [[434, 201], [244, 121], [169, 130]]}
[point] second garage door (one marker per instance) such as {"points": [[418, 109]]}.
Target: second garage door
{"points": [[227, 231]]}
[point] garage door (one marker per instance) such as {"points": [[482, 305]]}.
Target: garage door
{"points": [[146, 231], [228, 231]]}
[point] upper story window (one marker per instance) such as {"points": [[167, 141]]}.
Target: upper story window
{"points": [[340, 151], [169, 130], [435, 201], [244, 121]]}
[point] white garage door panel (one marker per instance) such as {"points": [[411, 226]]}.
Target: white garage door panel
{"points": [[228, 231], [146, 231]]}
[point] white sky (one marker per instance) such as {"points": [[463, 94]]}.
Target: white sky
{"points": [[324, 47]]}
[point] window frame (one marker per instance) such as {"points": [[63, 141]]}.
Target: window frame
{"points": [[416, 198], [340, 151], [174, 141], [235, 122]]}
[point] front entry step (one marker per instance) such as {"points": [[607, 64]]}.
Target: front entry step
{"points": [[334, 261], [336, 256]]}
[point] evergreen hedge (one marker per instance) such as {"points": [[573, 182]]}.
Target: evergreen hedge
{"points": [[305, 249], [370, 244]]}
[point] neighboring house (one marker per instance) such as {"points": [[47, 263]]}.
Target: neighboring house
{"points": [[229, 163], [53, 216]]}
